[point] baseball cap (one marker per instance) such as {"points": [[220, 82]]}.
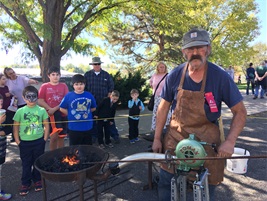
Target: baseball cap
{"points": [[196, 37]]}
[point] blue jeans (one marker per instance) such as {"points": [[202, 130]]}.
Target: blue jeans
{"points": [[259, 84], [164, 187], [252, 82]]}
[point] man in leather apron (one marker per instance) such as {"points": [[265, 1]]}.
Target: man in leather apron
{"points": [[195, 91]]}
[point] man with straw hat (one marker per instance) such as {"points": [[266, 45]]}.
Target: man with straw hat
{"points": [[99, 83]]}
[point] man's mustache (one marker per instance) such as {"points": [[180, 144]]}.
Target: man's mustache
{"points": [[195, 57]]}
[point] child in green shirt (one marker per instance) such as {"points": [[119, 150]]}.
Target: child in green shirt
{"points": [[31, 130]]}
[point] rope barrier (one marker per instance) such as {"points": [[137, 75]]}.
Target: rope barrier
{"points": [[98, 119], [115, 118]]}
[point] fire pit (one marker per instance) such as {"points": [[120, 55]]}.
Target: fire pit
{"points": [[73, 163]]}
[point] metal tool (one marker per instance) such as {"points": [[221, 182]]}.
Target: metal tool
{"points": [[190, 148]]}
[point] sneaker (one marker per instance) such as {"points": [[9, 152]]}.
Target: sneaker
{"points": [[262, 97], [5, 196], [24, 190], [38, 186], [255, 97], [132, 141], [136, 139], [101, 146], [110, 145]]}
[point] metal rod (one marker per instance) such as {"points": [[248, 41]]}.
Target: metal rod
{"points": [[180, 159], [95, 190], [44, 188], [150, 185], [1, 178], [81, 192]]}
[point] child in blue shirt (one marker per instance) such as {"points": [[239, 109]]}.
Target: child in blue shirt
{"points": [[135, 106], [79, 105]]}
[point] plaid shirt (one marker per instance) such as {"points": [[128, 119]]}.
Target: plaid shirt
{"points": [[99, 85]]}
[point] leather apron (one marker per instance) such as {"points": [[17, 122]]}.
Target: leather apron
{"points": [[189, 118]]}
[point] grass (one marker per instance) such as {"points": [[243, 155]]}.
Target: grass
{"points": [[242, 86]]}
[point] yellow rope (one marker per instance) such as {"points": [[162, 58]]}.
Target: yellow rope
{"points": [[118, 117]]}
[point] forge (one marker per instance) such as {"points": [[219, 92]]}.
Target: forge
{"points": [[73, 164]]}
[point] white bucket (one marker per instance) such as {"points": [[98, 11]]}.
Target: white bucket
{"points": [[238, 166]]}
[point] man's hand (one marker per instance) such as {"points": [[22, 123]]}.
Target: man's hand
{"points": [[157, 146], [226, 149]]}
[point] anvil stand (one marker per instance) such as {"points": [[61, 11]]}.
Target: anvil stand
{"points": [[200, 186]]}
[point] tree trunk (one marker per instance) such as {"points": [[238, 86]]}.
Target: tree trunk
{"points": [[51, 55], [48, 60]]}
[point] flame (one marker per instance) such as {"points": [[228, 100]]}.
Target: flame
{"points": [[71, 160]]}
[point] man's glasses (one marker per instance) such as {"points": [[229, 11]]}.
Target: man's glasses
{"points": [[97, 64]]}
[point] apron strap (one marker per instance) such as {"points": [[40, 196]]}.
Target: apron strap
{"points": [[204, 78], [202, 89], [183, 76]]}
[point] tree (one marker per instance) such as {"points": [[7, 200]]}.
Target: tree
{"points": [[49, 29], [126, 82], [260, 55], [143, 31], [145, 35]]}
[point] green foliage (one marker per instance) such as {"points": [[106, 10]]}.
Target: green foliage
{"points": [[143, 35], [73, 69], [260, 53], [242, 86], [137, 34], [125, 83]]}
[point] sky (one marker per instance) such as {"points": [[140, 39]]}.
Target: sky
{"points": [[13, 55], [262, 15]]}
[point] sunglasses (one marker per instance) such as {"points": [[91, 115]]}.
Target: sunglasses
{"points": [[97, 64]]}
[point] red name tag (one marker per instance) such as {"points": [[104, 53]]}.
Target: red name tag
{"points": [[210, 100]]}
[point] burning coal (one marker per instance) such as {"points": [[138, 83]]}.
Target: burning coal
{"points": [[73, 161]]}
